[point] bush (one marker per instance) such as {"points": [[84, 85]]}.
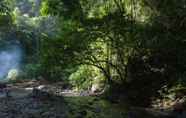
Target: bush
{"points": [[32, 71], [84, 78]]}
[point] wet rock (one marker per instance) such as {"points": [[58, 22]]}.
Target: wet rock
{"points": [[97, 110], [83, 113], [79, 116]]}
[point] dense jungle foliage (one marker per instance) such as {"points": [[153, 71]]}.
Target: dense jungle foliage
{"points": [[133, 50]]}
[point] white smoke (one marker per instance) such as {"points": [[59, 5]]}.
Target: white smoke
{"points": [[9, 59]]}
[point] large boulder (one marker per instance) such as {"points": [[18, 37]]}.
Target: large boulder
{"points": [[13, 74]]}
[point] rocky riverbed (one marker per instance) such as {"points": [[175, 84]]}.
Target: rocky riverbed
{"points": [[52, 102], [68, 107], [49, 101], [30, 108]]}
